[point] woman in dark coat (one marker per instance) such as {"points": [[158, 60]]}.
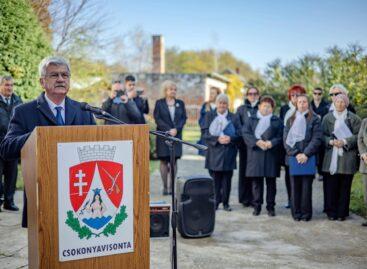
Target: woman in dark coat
{"points": [[286, 112], [220, 136], [341, 161], [244, 112], [302, 139], [205, 108], [263, 136], [170, 116]]}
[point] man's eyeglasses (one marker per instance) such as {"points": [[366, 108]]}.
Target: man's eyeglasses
{"points": [[57, 75], [317, 93], [334, 94]]}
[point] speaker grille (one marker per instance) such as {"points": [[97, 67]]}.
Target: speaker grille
{"points": [[196, 206]]}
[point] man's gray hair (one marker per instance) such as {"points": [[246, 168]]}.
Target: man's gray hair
{"points": [[51, 60], [222, 98], [5, 78], [340, 87]]}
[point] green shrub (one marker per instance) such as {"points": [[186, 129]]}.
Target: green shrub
{"points": [[23, 44], [357, 204]]}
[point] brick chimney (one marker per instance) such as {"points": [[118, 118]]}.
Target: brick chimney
{"points": [[158, 54]]}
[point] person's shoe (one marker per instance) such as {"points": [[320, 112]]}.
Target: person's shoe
{"points": [[246, 204], [364, 224], [332, 218], [256, 212], [297, 219], [11, 207], [306, 219], [341, 219], [320, 178], [227, 208], [288, 205], [271, 213]]}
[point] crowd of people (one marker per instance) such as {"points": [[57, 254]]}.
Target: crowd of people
{"points": [[309, 138]]}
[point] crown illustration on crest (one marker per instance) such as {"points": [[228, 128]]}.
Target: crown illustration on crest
{"points": [[96, 152]]}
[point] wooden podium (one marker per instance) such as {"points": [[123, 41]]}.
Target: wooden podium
{"points": [[40, 172]]}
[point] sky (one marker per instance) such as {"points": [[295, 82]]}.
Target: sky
{"points": [[256, 32]]}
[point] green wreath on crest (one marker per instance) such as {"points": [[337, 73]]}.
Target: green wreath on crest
{"points": [[85, 232]]}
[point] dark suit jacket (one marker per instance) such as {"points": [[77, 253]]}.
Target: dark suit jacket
{"points": [[219, 157], [37, 113], [322, 109], [164, 123], [262, 163]]}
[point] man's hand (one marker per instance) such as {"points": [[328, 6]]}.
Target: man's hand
{"points": [[364, 157], [173, 132], [124, 98], [338, 143], [224, 139], [268, 144], [113, 94]]}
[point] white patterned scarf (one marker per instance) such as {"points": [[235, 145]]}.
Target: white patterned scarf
{"points": [[297, 132], [263, 125], [341, 131], [218, 125], [289, 112]]}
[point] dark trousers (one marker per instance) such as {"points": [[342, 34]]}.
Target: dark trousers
{"points": [[222, 184], [8, 169], [338, 195], [258, 192], [287, 182], [244, 183], [301, 196]]}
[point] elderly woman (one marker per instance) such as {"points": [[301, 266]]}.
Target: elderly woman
{"points": [[362, 146], [340, 129], [334, 91], [262, 134], [207, 107], [170, 116], [286, 112], [302, 139], [244, 112], [220, 136]]}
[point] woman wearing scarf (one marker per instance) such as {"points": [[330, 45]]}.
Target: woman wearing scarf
{"points": [[302, 139], [207, 107], [340, 129], [244, 112], [220, 136], [262, 134], [286, 112], [334, 91], [362, 147]]}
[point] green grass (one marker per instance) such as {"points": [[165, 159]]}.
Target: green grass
{"points": [[153, 165], [191, 134], [357, 204]]}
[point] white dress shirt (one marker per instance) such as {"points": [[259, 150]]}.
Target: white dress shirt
{"points": [[52, 106]]}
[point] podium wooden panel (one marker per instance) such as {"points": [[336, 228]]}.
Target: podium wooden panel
{"points": [[39, 166]]}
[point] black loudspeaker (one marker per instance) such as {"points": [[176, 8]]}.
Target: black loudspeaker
{"points": [[195, 206], [159, 219]]}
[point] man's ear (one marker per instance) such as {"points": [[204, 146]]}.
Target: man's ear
{"points": [[41, 81]]}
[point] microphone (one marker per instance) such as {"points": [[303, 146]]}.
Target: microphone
{"points": [[93, 109]]}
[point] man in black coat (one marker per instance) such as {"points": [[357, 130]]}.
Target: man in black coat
{"points": [[8, 168], [122, 105], [244, 112], [51, 108]]}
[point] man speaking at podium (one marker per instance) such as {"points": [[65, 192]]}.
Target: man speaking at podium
{"points": [[51, 108]]}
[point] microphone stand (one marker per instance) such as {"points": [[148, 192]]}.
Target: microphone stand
{"points": [[171, 142]]}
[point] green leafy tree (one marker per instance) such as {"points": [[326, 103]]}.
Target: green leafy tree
{"points": [[23, 44]]}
